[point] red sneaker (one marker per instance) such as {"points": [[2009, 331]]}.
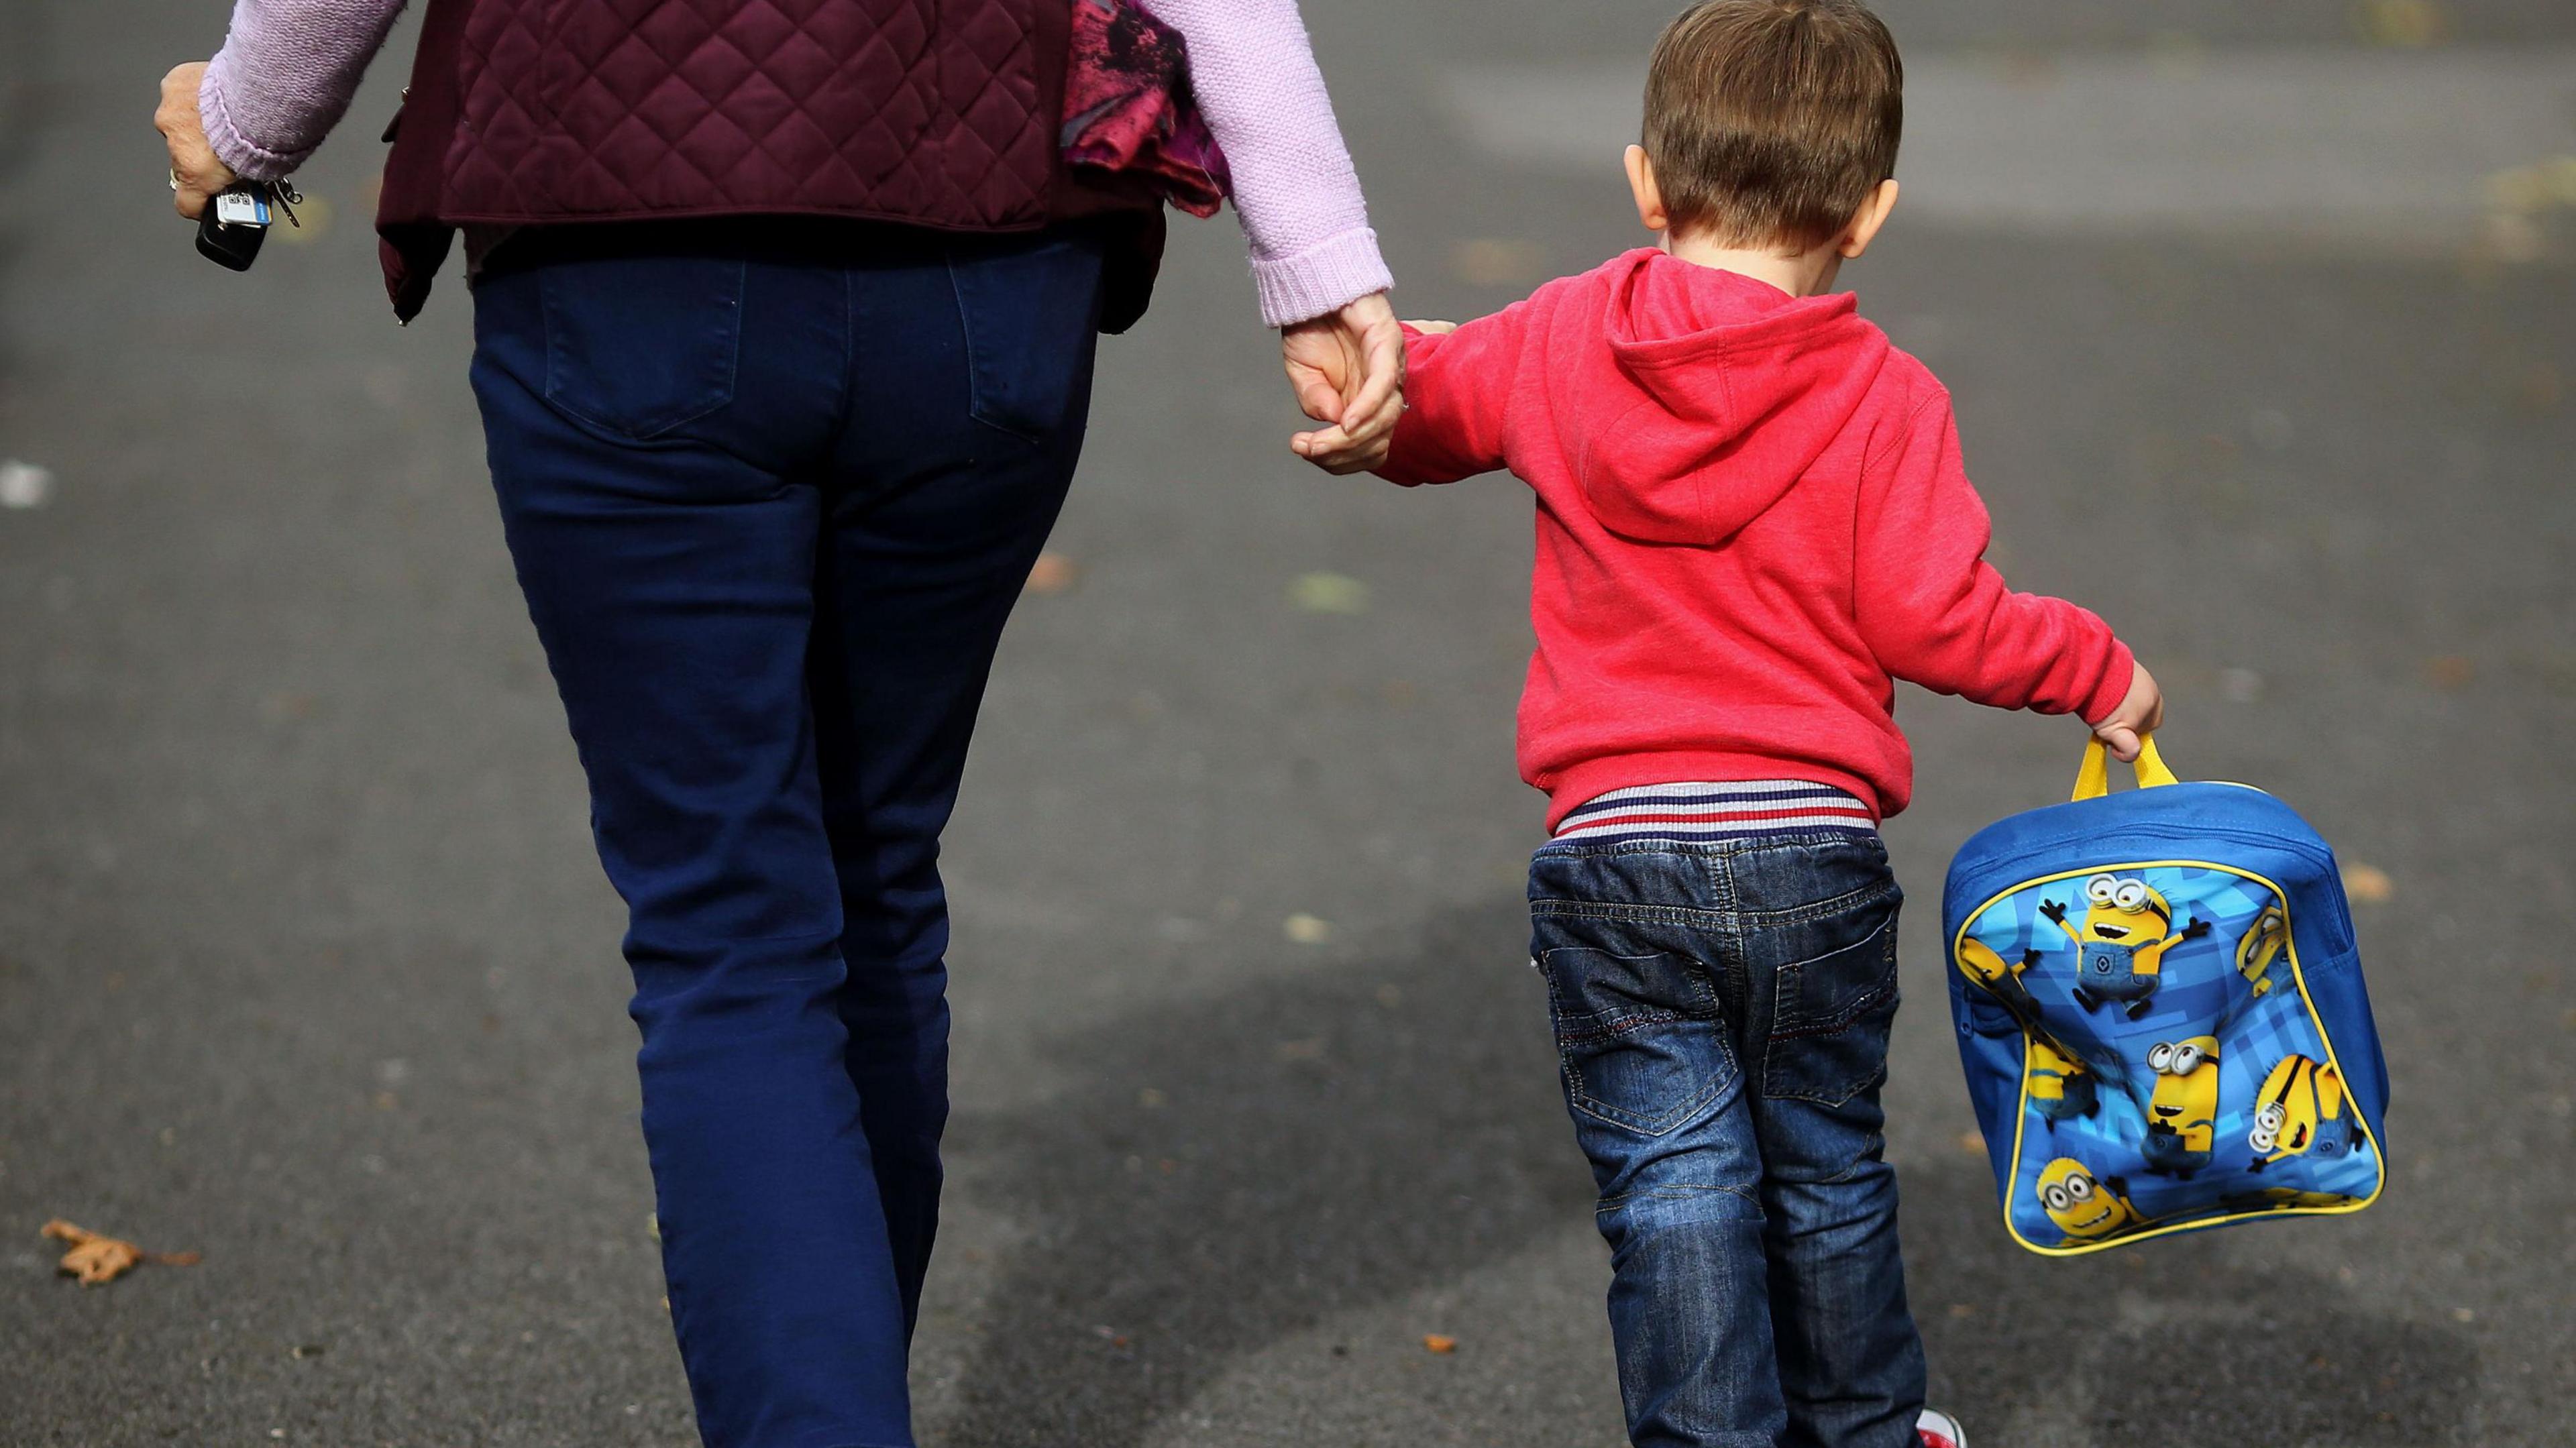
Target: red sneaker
{"points": [[1940, 1430]]}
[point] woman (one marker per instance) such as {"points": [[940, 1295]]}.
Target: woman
{"points": [[784, 332]]}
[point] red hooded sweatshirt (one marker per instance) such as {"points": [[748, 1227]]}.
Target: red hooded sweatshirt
{"points": [[1751, 521]]}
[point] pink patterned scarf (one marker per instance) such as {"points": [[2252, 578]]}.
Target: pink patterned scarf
{"points": [[1128, 106]]}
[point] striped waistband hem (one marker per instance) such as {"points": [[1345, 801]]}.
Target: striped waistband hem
{"points": [[1694, 812]]}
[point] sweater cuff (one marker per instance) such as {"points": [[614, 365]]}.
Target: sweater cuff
{"points": [[2114, 687], [247, 158], [1325, 277]]}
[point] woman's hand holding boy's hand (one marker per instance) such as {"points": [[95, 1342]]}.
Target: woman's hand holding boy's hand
{"points": [[1348, 370], [196, 173], [2141, 712]]}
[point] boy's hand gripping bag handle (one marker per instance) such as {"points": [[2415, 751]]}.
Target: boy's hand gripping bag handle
{"points": [[2093, 779]]}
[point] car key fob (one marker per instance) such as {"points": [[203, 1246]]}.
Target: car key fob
{"points": [[235, 222]]}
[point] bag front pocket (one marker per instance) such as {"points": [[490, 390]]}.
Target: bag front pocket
{"points": [[2199, 1078]]}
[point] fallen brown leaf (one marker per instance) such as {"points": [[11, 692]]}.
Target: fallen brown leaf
{"points": [[1052, 573], [1438, 1343], [96, 1257], [2368, 884], [2450, 671]]}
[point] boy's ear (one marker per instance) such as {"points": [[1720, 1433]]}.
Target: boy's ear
{"points": [[1866, 221], [1650, 197]]}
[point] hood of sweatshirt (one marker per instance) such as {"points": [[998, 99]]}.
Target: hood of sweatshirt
{"points": [[1727, 389]]}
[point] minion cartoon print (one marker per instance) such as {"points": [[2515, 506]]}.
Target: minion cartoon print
{"points": [[2121, 944], [2086, 1209], [2302, 1111], [2182, 1113], [2002, 979], [2260, 946], [2060, 1087]]}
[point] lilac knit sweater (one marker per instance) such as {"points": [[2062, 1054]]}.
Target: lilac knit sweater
{"points": [[289, 67]]}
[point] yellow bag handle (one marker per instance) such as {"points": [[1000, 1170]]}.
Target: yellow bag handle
{"points": [[2093, 778]]}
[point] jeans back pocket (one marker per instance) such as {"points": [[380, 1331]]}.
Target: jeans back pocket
{"points": [[639, 346], [1832, 1010], [1638, 1037], [1031, 310]]}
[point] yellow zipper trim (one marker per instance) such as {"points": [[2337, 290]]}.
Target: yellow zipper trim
{"points": [[2298, 977]]}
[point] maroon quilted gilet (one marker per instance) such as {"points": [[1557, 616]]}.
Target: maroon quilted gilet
{"points": [[938, 113]]}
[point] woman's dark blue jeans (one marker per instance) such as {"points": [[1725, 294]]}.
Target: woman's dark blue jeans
{"points": [[1722, 1014], [771, 492]]}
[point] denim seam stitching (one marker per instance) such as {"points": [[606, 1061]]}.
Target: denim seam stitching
{"points": [[1656, 914], [1580, 1096], [1859, 899], [1843, 1022], [1681, 1191], [1612, 1029], [1821, 1098], [848, 402], [1663, 1125], [1885, 984], [1847, 1173], [1703, 988], [1720, 870]]}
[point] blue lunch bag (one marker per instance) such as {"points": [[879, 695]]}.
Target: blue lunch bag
{"points": [[2161, 1013]]}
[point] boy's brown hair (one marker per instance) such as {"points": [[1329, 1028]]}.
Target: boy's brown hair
{"points": [[1772, 120]]}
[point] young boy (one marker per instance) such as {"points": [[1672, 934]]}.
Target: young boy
{"points": [[1751, 521]]}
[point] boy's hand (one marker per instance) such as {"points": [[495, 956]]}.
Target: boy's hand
{"points": [[1324, 357], [1348, 370], [2141, 711]]}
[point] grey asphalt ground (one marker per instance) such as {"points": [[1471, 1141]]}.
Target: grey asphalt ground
{"points": [[305, 962]]}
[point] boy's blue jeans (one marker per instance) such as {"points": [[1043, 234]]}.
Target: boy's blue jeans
{"points": [[771, 500], [1721, 1015]]}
